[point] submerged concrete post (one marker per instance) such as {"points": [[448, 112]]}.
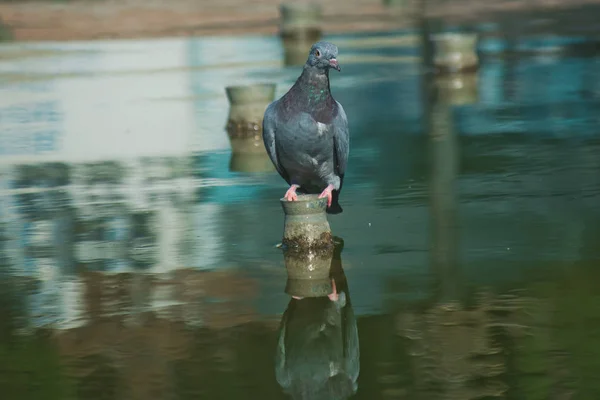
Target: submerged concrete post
{"points": [[244, 126], [455, 52], [306, 226]]}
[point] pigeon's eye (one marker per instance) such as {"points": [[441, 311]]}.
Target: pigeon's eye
{"points": [[317, 53]]}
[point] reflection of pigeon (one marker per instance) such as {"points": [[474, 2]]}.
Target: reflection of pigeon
{"points": [[306, 131], [318, 350]]}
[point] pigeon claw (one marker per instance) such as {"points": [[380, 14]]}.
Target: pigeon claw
{"points": [[327, 193], [291, 195], [334, 296]]}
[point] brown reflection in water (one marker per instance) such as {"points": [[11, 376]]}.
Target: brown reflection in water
{"points": [[461, 350], [140, 328], [453, 355], [458, 353]]}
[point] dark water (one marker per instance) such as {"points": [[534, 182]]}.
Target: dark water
{"points": [[467, 257]]}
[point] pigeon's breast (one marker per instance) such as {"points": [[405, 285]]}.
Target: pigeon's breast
{"points": [[322, 128], [306, 147]]}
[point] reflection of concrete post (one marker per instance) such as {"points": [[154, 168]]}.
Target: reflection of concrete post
{"points": [[456, 352], [308, 273], [251, 163], [295, 51], [455, 52], [306, 224], [244, 126], [318, 353], [450, 90]]}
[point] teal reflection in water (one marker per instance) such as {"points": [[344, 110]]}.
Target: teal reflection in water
{"points": [[135, 264]]}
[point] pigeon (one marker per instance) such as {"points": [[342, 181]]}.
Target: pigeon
{"points": [[305, 132]]}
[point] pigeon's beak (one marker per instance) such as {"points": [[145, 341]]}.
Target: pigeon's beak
{"points": [[334, 64]]}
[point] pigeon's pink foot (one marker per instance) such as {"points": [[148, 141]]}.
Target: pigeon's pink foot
{"points": [[333, 296], [327, 193], [291, 195]]}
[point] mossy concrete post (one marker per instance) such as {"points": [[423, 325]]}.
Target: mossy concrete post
{"points": [[244, 126], [455, 52], [244, 123], [306, 226], [308, 272]]}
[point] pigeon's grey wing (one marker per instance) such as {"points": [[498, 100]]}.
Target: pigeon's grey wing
{"points": [[341, 141], [269, 130], [281, 372], [351, 344]]}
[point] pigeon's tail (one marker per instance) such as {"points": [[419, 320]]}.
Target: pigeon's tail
{"points": [[335, 207]]}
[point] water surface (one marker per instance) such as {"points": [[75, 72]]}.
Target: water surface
{"points": [[136, 264]]}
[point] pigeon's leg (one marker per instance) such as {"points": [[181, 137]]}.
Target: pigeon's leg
{"points": [[327, 193], [333, 296], [291, 195]]}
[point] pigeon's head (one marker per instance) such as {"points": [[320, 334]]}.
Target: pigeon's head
{"points": [[323, 55]]}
